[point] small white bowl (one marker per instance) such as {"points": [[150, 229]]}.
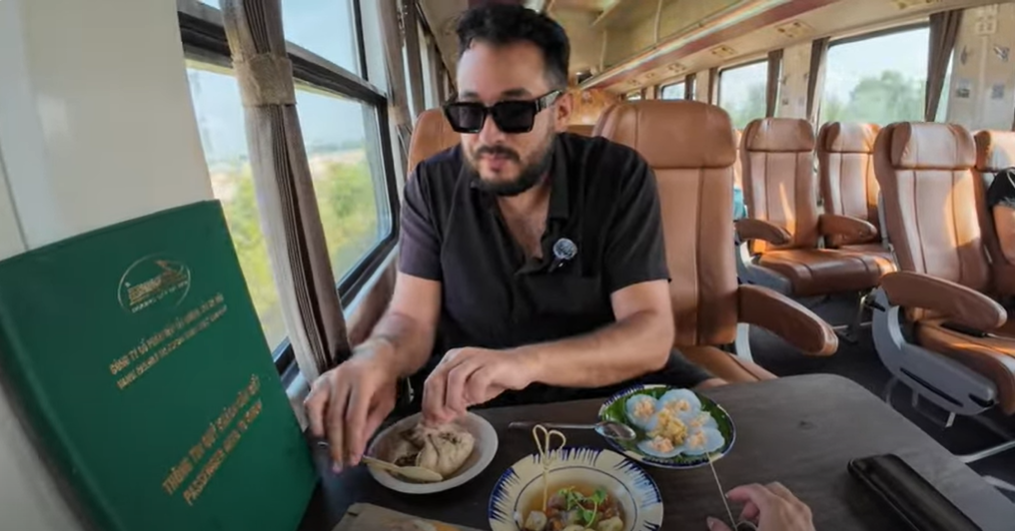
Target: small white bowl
{"points": [[482, 454]]}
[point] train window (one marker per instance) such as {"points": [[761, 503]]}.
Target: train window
{"points": [[878, 79], [342, 118], [633, 96], [344, 162], [672, 92], [324, 27], [219, 111], [742, 92]]}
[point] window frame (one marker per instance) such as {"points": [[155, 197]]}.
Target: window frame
{"points": [[718, 80], [204, 40]]}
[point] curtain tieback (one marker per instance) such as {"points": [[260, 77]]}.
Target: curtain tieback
{"points": [[265, 79]]}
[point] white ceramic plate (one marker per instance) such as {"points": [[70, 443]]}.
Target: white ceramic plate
{"points": [[482, 454], [635, 491]]}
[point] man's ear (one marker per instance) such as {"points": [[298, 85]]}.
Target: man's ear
{"points": [[565, 106]]}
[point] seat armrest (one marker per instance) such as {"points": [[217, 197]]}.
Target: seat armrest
{"points": [[848, 229], [758, 229], [788, 319], [955, 301]]}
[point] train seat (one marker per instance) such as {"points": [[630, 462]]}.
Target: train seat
{"points": [[995, 151], [783, 226], [580, 129], [848, 185], [432, 134], [691, 148], [961, 355]]}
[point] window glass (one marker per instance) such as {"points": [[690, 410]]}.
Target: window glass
{"points": [[219, 113], [878, 80], [633, 96], [345, 163], [672, 92], [325, 27], [742, 92]]}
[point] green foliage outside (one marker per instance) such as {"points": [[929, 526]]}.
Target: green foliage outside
{"points": [[345, 197], [883, 99]]}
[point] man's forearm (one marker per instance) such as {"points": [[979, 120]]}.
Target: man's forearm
{"points": [[408, 344], [637, 345]]}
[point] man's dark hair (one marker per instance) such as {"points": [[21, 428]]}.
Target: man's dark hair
{"points": [[502, 24]]}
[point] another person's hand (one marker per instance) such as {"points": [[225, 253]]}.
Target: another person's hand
{"points": [[470, 376], [349, 402], [773, 507]]}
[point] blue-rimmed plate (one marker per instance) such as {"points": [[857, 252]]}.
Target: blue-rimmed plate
{"points": [[521, 486], [615, 409]]}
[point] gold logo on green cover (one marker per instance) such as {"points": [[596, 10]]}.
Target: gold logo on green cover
{"points": [[152, 279]]}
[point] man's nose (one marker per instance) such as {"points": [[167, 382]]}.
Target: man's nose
{"points": [[490, 134]]}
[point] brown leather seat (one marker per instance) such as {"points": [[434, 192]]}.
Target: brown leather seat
{"points": [[431, 135], [581, 129], [935, 212], [995, 151], [784, 224], [691, 148], [848, 185]]}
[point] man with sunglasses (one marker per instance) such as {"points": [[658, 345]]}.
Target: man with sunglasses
{"points": [[531, 265]]}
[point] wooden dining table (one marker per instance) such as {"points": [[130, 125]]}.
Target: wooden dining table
{"points": [[801, 431]]}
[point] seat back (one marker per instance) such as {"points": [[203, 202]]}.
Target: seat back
{"points": [[691, 148], [995, 151], [581, 129], [779, 182], [597, 130], [846, 170], [431, 135], [933, 201]]}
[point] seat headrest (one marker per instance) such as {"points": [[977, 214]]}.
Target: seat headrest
{"points": [[779, 134], [848, 137], [932, 146], [431, 135], [995, 150], [673, 134]]}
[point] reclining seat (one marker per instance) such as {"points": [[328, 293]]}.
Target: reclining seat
{"points": [[959, 352], [995, 151], [690, 147], [848, 185], [783, 224], [432, 134]]}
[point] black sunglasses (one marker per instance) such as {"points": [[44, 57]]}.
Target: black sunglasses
{"points": [[511, 117]]}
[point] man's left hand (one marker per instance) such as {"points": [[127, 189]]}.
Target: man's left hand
{"points": [[470, 376]]}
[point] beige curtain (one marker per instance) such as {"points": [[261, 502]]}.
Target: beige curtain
{"points": [[713, 85], [816, 77], [410, 26], [398, 94], [772, 87], [689, 86], [944, 29], [285, 191]]}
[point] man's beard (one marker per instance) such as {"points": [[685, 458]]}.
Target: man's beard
{"points": [[529, 176]]}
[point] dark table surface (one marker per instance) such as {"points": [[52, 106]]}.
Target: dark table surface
{"points": [[801, 431]]}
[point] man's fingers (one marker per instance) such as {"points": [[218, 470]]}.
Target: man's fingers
{"points": [[316, 405], [715, 524], [335, 425], [477, 388], [433, 397], [781, 491], [455, 401], [759, 495], [750, 512], [355, 421]]}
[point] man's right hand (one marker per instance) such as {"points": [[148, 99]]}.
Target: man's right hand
{"points": [[773, 507], [348, 403]]}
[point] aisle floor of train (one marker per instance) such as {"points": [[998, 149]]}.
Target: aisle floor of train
{"points": [[859, 362]]}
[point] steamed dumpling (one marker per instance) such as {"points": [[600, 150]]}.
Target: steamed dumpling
{"points": [[702, 441], [659, 447], [698, 419], [444, 449], [680, 401], [640, 409]]}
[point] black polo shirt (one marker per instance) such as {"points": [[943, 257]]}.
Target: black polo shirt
{"points": [[602, 197]]}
